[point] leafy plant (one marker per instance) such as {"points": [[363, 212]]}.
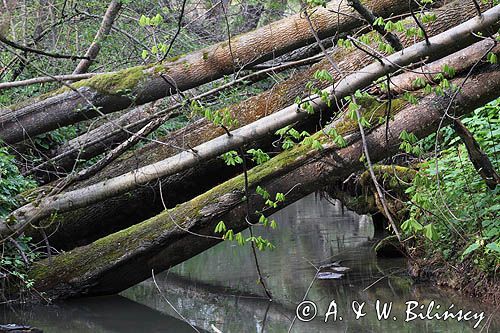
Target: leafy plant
{"points": [[16, 254], [11, 182], [450, 204]]}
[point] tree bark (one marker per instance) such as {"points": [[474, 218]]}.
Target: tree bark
{"points": [[173, 236], [436, 47], [142, 84], [84, 225], [478, 158]]}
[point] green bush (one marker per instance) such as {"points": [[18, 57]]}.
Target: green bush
{"points": [[11, 182], [17, 254], [451, 206]]}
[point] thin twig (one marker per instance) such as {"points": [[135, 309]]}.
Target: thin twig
{"points": [[170, 304], [177, 32], [355, 43], [372, 174], [46, 79], [418, 23], [24, 48]]}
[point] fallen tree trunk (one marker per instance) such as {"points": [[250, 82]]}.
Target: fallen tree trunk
{"points": [[84, 225], [174, 235], [142, 84], [436, 47]]}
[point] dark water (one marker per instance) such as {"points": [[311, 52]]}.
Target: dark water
{"points": [[218, 289]]}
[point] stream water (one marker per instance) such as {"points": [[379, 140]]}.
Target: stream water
{"points": [[218, 289]]}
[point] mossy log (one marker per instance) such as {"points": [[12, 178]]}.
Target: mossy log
{"points": [[86, 224], [358, 192], [120, 260], [141, 84]]}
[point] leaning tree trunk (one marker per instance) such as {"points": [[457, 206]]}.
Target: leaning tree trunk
{"points": [[83, 225], [104, 29], [118, 261], [142, 84]]}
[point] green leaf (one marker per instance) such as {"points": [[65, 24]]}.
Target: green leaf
{"points": [[493, 247], [220, 227], [240, 239], [379, 21], [143, 21], [492, 58], [232, 158], [430, 232], [323, 75], [280, 197], [317, 145], [471, 248], [262, 192], [263, 220], [229, 235]]}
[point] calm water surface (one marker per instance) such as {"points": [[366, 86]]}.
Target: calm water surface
{"points": [[218, 289]]}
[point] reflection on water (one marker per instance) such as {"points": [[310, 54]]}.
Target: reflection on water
{"points": [[99, 315], [218, 288]]}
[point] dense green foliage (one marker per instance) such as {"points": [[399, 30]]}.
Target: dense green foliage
{"points": [[11, 182], [451, 206], [16, 255]]}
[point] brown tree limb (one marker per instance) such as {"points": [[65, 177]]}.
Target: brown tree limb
{"points": [[479, 159]]}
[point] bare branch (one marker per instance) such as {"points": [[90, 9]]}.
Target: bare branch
{"points": [[47, 79], [10, 43], [391, 38]]}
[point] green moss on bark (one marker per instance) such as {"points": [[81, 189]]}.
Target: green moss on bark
{"points": [[114, 83], [371, 109]]}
